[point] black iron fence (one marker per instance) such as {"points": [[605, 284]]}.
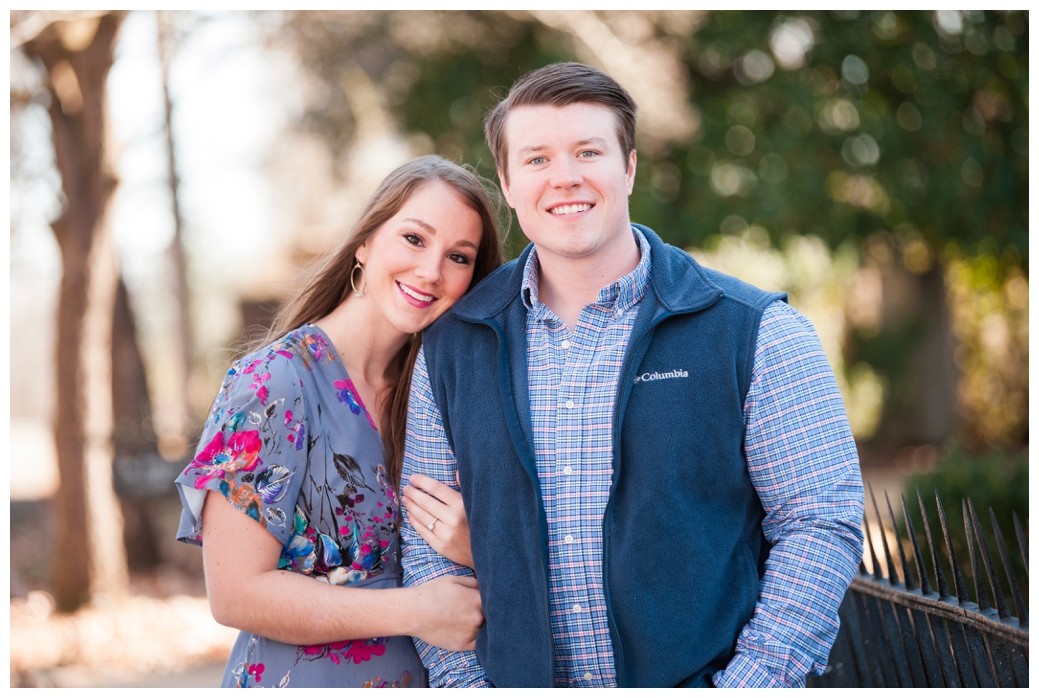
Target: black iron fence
{"points": [[910, 618]]}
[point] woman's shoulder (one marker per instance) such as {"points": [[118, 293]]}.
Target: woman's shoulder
{"points": [[300, 349], [279, 366]]}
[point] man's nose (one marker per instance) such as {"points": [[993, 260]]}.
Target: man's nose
{"points": [[565, 173]]}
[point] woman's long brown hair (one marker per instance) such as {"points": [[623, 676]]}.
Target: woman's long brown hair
{"points": [[329, 284]]}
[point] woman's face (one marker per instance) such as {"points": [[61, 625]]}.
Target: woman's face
{"points": [[419, 262]]}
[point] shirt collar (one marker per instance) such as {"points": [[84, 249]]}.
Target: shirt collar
{"points": [[621, 295]]}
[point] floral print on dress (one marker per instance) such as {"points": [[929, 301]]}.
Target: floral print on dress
{"points": [[221, 460], [355, 651], [349, 397], [290, 444]]}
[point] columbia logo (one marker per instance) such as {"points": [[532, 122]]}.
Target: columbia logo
{"points": [[657, 376]]}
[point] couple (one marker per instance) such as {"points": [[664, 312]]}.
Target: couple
{"points": [[652, 459]]}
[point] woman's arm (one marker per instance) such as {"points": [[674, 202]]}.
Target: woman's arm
{"points": [[248, 592]]}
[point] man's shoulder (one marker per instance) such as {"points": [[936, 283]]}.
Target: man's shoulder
{"points": [[741, 291], [679, 274]]}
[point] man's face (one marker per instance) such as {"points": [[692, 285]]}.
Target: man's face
{"points": [[569, 181]]}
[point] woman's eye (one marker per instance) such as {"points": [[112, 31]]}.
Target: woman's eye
{"points": [[459, 258], [412, 239]]}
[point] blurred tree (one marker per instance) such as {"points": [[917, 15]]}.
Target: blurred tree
{"points": [[905, 132], [76, 51], [902, 133], [168, 38]]}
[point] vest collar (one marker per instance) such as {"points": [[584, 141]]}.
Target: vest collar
{"points": [[677, 282]]}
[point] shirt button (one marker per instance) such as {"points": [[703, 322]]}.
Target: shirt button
{"points": [[565, 344], [569, 539], [587, 676], [620, 311], [567, 470], [570, 404], [577, 608]]}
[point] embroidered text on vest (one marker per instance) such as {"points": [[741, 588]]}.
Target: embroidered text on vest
{"points": [[655, 376]]}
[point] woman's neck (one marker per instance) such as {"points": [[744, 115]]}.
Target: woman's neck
{"points": [[367, 345]]}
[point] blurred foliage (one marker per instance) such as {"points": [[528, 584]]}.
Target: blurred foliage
{"points": [[889, 118], [819, 283], [995, 480], [989, 307], [838, 126]]}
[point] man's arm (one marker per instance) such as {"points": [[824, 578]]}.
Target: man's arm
{"points": [[803, 463], [427, 451]]}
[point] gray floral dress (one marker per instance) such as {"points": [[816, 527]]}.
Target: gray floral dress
{"points": [[289, 443]]}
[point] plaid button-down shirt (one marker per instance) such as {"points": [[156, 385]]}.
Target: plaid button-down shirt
{"points": [[572, 380]]}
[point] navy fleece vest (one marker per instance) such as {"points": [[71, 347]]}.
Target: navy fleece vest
{"points": [[684, 551]]}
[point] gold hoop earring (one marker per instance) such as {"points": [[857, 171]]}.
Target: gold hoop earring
{"points": [[353, 282]]}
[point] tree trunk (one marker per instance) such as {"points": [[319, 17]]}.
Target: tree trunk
{"points": [[917, 352], [936, 360], [177, 256], [133, 437], [77, 52]]}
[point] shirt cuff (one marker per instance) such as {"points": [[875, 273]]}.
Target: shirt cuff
{"points": [[744, 672]]}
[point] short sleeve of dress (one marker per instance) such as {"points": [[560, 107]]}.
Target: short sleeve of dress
{"points": [[253, 449]]}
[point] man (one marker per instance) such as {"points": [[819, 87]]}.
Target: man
{"points": [[661, 483]]}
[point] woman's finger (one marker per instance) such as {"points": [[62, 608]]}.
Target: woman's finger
{"points": [[420, 517], [434, 506], [435, 488]]}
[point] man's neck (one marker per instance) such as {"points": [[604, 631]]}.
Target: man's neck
{"points": [[567, 285]]}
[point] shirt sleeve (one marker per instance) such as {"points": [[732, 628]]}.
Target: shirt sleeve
{"points": [[427, 451], [804, 465], [252, 449]]}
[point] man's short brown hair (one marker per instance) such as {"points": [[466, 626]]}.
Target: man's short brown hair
{"points": [[561, 84]]}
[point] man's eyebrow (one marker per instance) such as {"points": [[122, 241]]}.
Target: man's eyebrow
{"points": [[530, 149], [595, 140]]}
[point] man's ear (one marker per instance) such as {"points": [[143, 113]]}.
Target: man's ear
{"points": [[506, 192], [631, 171]]}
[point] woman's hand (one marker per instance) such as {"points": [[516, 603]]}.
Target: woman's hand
{"points": [[448, 613], [438, 515]]}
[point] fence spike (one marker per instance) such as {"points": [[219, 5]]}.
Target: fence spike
{"points": [[957, 573], [975, 569], [872, 550], [943, 586], [1022, 542], [925, 582], [907, 574], [945, 641], [986, 562], [892, 573], [1015, 588]]}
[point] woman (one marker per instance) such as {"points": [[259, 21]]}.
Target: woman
{"points": [[311, 572]]}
